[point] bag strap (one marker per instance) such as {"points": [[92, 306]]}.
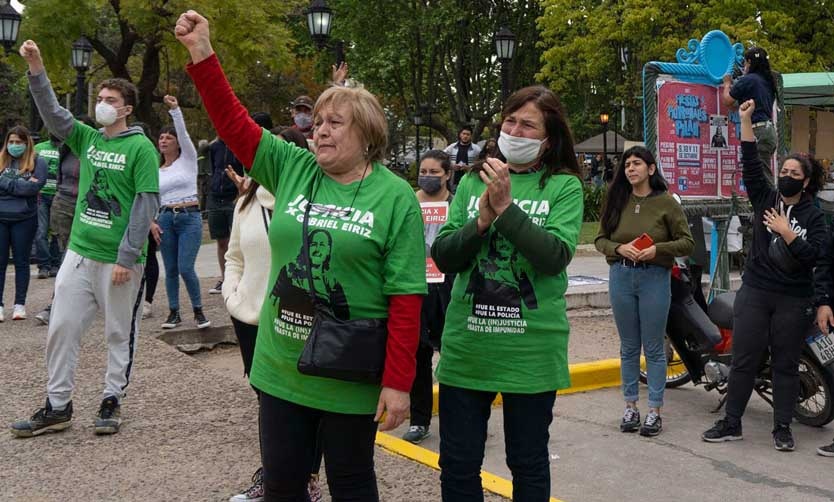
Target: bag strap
{"points": [[266, 220], [305, 243]]}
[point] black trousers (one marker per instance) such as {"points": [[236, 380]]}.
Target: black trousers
{"points": [[422, 396], [289, 434], [151, 270], [765, 320], [246, 335]]}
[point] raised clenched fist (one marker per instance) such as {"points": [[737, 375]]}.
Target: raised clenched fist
{"points": [[29, 51], [192, 30], [170, 102], [745, 110], [31, 54]]}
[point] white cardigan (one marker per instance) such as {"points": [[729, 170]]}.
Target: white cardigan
{"points": [[248, 259]]}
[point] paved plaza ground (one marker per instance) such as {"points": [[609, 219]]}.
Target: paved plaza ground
{"points": [[190, 427]]}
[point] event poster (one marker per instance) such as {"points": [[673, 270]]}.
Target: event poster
{"points": [[697, 140], [434, 217]]}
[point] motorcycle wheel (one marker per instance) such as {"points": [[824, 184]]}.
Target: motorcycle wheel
{"points": [[676, 372], [815, 405]]}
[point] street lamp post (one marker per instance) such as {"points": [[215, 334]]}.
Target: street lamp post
{"points": [[505, 48], [603, 119], [82, 52], [319, 23], [616, 108], [9, 26]]}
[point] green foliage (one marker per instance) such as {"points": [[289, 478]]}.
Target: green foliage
{"points": [[13, 96], [593, 197], [582, 38], [439, 53], [134, 39]]}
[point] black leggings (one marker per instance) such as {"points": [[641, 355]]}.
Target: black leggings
{"points": [[766, 320], [151, 270], [289, 435], [247, 334]]}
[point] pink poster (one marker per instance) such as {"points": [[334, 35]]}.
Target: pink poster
{"points": [[685, 118], [698, 140]]}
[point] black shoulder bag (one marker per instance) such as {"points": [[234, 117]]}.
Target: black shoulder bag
{"points": [[351, 350]]}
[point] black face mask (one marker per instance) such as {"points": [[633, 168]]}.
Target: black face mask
{"points": [[430, 184], [789, 187]]}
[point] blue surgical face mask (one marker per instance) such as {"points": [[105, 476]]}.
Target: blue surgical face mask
{"points": [[304, 121], [16, 149]]}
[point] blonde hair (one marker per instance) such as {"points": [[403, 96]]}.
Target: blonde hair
{"points": [[27, 160], [366, 113]]}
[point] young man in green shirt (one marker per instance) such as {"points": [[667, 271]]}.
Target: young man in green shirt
{"points": [[48, 254], [118, 196]]}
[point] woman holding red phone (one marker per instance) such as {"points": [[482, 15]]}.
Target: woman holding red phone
{"points": [[642, 230]]}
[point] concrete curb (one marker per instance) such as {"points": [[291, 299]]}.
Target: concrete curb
{"points": [[584, 377]]}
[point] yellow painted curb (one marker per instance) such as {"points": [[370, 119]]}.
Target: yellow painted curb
{"points": [[583, 376], [490, 482]]}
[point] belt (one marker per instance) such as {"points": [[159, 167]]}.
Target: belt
{"points": [[762, 124], [185, 209], [634, 264]]}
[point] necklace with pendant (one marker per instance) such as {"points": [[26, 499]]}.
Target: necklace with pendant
{"points": [[638, 201]]}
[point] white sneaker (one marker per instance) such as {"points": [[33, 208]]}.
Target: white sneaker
{"points": [[2, 315], [254, 493], [147, 310], [19, 313]]}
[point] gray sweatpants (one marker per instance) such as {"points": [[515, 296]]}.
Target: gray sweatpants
{"points": [[82, 287]]}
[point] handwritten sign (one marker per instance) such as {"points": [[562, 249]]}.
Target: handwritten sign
{"points": [[434, 217]]}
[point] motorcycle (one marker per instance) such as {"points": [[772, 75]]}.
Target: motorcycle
{"points": [[699, 350]]}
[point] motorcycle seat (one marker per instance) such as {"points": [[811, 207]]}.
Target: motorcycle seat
{"points": [[721, 310]]}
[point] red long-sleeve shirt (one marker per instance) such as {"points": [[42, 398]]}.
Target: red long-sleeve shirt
{"points": [[242, 135]]}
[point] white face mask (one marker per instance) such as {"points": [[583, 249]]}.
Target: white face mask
{"points": [[518, 150], [106, 114]]}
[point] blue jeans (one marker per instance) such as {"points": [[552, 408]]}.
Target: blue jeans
{"points": [[18, 236], [640, 299], [182, 234], [48, 252], [464, 415]]}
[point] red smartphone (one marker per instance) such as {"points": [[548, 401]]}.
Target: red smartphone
{"points": [[643, 242]]}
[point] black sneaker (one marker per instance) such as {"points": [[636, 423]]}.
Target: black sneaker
{"points": [[43, 273], [416, 434], [723, 430], [202, 322], [217, 289], [783, 438], [109, 416], [631, 420], [53, 272], [44, 420], [652, 426], [173, 320], [826, 451]]}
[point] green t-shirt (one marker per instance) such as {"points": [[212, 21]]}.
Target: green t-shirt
{"points": [[506, 326], [359, 260], [52, 156], [112, 172]]}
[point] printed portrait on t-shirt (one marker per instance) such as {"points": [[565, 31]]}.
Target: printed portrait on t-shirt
{"points": [[101, 201], [499, 284], [291, 289]]}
